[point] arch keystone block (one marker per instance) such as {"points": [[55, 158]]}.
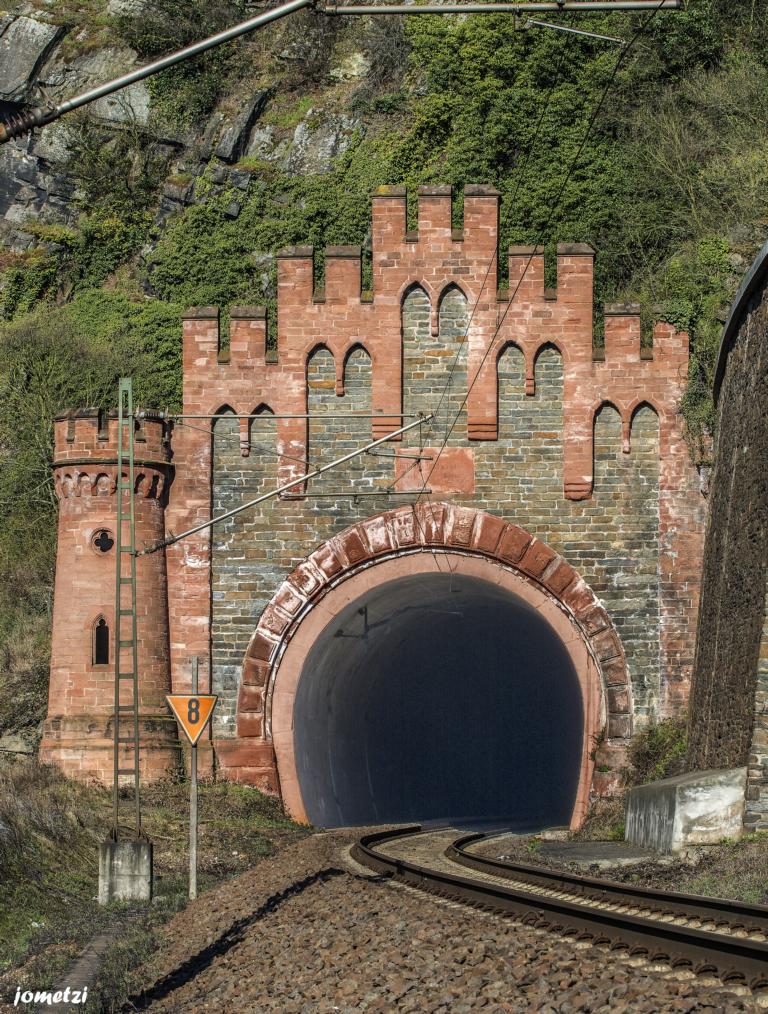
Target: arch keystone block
{"points": [[514, 543], [431, 521], [537, 558]]}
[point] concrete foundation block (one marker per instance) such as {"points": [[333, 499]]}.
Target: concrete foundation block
{"points": [[125, 871], [700, 808]]}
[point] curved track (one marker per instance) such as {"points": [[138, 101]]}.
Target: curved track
{"points": [[705, 935]]}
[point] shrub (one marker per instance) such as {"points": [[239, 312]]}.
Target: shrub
{"points": [[186, 93], [657, 752], [50, 361]]}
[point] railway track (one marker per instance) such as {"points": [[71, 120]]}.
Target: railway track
{"points": [[708, 936]]}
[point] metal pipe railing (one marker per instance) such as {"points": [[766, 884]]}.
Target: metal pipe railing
{"points": [[504, 8]]}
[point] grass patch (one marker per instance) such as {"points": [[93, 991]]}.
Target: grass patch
{"points": [[290, 117], [50, 828], [655, 752], [733, 870]]}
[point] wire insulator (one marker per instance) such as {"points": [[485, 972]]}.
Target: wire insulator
{"points": [[20, 123]]}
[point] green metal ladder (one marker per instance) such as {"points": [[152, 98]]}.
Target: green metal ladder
{"points": [[126, 719]]}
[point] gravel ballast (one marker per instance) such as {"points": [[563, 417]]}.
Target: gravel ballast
{"points": [[307, 931]]}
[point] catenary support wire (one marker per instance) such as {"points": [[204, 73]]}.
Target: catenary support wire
{"points": [[173, 539]]}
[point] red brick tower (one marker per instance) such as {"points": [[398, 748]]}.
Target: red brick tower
{"points": [[79, 729]]}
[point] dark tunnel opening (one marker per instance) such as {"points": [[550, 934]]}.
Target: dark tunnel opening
{"points": [[438, 697]]}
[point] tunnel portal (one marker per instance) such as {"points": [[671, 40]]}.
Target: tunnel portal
{"points": [[438, 697]]}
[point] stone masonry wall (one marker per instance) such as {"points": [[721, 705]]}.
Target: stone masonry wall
{"points": [[581, 447], [729, 723], [612, 538], [756, 815]]}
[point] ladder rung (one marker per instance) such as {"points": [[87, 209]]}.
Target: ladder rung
{"points": [[126, 676], [125, 517], [126, 707], [126, 580], [127, 644], [126, 771], [131, 740], [126, 612], [126, 549]]}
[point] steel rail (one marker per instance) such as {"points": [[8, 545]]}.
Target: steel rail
{"points": [[731, 957], [738, 915]]}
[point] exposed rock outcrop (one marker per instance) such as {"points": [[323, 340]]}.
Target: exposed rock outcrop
{"points": [[37, 183]]}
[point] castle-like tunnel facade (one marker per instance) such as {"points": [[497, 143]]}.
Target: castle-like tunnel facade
{"points": [[466, 623]]}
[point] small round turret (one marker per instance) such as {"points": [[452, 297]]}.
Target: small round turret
{"points": [[78, 733]]}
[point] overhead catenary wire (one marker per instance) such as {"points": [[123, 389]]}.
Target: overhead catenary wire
{"points": [[39, 117], [522, 175], [236, 437], [173, 539], [555, 207], [573, 31]]}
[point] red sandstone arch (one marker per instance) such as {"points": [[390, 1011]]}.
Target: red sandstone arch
{"points": [[406, 541]]}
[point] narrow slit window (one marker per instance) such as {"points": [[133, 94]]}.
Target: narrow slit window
{"points": [[101, 642]]}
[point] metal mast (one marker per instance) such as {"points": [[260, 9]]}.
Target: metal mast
{"points": [[126, 721]]}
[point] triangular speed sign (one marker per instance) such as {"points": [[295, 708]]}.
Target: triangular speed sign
{"points": [[192, 712]]}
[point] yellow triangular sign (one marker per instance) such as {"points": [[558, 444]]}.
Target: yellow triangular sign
{"points": [[192, 712]]}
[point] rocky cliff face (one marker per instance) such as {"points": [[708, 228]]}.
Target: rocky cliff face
{"points": [[44, 62]]}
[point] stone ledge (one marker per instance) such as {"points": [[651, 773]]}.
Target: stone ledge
{"points": [[700, 808]]}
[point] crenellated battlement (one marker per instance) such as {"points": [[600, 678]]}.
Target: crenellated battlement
{"points": [[340, 317], [89, 435], [527, 418]]}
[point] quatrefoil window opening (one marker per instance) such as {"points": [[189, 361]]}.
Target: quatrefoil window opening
{"points": [[103, 541]]}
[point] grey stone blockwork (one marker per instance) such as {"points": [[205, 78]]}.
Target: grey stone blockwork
{"points": [[756, 815], [611, 539]]}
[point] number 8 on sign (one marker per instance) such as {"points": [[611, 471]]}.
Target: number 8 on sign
{"points": [[192, 712]]}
